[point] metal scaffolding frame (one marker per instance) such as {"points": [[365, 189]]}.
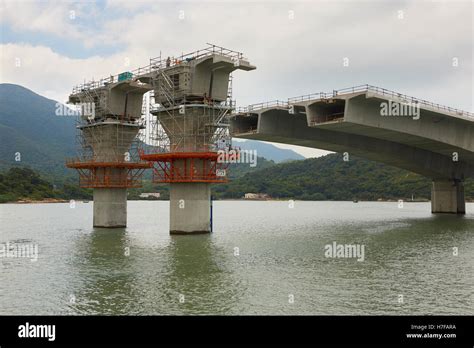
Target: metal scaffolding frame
{"points": [[108, 152], [196, 127], [173, 121]]}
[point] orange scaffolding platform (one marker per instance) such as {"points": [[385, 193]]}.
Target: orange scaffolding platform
{"points": [[94, 174], [185, 167]]}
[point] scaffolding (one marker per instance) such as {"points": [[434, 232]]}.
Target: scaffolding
{"points": [[185, 113], [109, 174], [183, 142], [160, 63], [107, 146], [187, 131]]}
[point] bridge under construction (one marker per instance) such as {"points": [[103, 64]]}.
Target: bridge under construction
{"points": [[175, 114], [435, 141], [177, 131]]}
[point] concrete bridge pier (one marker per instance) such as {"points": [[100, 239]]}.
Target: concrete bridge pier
{"points": [[107, 131], [110, 207], [190, 211], [447, 196], [195, 100]]}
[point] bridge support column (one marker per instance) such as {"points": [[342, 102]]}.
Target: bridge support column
{"points": [[110, 207], [190, 208], [447, 196]]}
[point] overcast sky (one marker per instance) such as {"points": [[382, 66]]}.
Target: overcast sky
{"points": [[420, 48]]}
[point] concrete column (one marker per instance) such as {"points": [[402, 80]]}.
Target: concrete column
{"points": [[447, 196], [110, 207], [109, 143], [190, 210]]}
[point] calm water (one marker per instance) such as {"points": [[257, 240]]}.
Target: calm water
{"points": [[279, 267]]}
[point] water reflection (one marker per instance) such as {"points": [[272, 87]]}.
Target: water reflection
{"points": [[103, 266], [199, 271], [415, 258], [119, 275]]}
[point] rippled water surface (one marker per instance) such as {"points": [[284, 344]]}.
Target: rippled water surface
{"points": [[279, 267]]}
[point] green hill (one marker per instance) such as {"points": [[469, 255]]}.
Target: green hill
{"points": [[29, 127], [330, 178], [25, 183]]}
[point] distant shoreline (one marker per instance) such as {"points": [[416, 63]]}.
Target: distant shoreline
{"points": [[31, 201], [54, 200]]}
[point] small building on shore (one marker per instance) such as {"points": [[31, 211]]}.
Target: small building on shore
{"points": [[150, 195], [258, 196]]}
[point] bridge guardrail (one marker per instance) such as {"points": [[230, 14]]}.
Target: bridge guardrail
{"points": [[263, 105], [351, 90], [161, 63]]}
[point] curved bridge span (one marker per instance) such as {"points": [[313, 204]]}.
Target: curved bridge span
{"points": [[381, 125]]}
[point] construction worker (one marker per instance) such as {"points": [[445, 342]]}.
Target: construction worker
{"points": [[168, 62]]}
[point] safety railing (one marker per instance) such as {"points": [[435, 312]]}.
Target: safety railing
{"points": [[264, 105], [378, 90], [306, 97], [161, 63], [112, 79], [351, 90]]}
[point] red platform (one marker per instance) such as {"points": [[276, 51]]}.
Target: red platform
{"points": [[182, 167], [94, 174]]}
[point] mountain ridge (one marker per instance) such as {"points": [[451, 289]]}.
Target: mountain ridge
{"points": [[30, 131]]}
